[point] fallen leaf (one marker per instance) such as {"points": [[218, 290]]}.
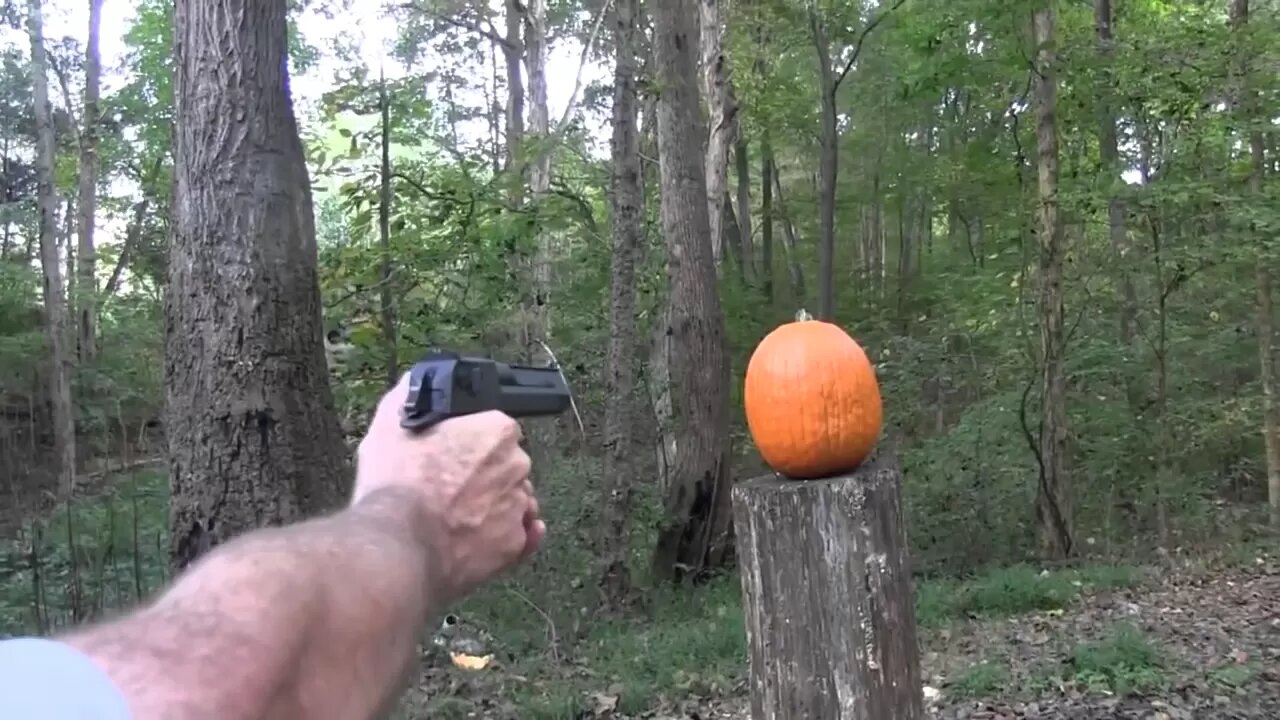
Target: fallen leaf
{"points": [[470, 662], [601, 705]]}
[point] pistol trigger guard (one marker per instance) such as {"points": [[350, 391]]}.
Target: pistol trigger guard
{"points": [[423, 421]]}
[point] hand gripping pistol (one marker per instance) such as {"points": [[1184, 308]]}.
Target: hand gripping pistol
{"points": [[445, 385]]}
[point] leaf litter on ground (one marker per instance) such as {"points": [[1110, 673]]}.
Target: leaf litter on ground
{"points": [[1183, 645]]}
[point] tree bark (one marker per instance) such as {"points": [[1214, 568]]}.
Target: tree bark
{"points": [[721, 120], [538, 329], [253, 436], [88, 190], [1053, 504], [766, 219], [1268, 345], [627, 199], [742, 162], [789, 242], [694, 534], [385, 290], [828, 168], [827, 595], [512, 46], [1110, 155], [54, 294]]}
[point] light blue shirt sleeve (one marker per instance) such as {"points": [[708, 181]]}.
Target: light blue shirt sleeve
{"points": [[49, 680]]}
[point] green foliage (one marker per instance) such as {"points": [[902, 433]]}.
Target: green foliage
{"points": [[87, 559], [1013, 590], [1124, 662], [981, 680], [1233, 676], [638, 661]]}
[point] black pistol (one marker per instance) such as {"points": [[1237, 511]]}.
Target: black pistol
{"points": [[445, 385]]}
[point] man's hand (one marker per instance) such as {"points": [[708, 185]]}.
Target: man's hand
{"points": [[466, 485]]}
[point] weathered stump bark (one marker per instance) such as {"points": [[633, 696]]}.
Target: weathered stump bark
{"points": [[827, 591]]}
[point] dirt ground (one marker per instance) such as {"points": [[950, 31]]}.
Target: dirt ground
{"points": [[1213, 639]]}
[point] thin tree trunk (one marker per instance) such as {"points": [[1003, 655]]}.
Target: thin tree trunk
{"points": [[1053, 506], [1110, 154], [627, 198], [54, 296], [512, 46], [742, 160], [1164, 441], [1268, 345], [386, 293], [87, 285], [721, 122], [766, 219], [789, 243], [733, 238], [66, 242], [132, 236], [828, 169], [540, 172], [906, 255]]}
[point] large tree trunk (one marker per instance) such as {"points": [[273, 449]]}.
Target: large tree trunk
{"points": [[1268, 346], [54, 295], [88, 190], [694, 535], [1053, 504], [253, 436], [627, 198]]}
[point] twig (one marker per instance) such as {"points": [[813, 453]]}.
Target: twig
{"points": [[554, 639], [857, 47], [582, 64], [572, 403]]}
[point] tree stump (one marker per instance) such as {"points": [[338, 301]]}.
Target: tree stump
{"points": [[828, 597]]}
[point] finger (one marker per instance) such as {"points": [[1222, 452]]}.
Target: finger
{"points": [[489, 424], [392, 401], [519, 466], [535, 535], [533, 511]]}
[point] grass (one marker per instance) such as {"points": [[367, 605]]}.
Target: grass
{"points": [[1125, 661], [687, 641], [1234, 675], [1013, 590], [981, 680]]}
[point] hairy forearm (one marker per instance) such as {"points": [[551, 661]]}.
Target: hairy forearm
{"points": [[316, 620]]}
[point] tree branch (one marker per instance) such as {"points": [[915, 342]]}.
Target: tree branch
{"points": [[66, 96], [857, 46], [582, 64], [490, 34]]}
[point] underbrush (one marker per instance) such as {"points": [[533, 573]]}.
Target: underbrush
{"points": [[1122, 660], [556, 657]]}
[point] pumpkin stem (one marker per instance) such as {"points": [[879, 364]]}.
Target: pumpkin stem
{"points": [[803, 315]]}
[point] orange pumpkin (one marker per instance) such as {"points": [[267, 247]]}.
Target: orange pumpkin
{"points": [[812, 400]]}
